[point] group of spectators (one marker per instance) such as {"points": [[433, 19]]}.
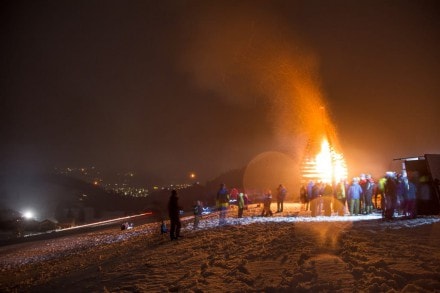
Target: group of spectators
{"points": [[397, 194], [360, 196], [224, 196]]}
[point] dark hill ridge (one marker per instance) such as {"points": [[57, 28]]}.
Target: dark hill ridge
{"points": [[48, 193], [58, 197]]}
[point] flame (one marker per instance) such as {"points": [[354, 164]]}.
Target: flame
{"points": [[327, 166]]}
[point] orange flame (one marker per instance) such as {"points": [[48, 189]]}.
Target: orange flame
{"points": [[327, 166]]}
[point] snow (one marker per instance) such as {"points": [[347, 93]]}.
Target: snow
{"points": [[290, 251]]}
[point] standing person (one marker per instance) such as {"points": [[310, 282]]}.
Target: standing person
{"points": [[240, 204], [327, 196], [321, 186], [315, 200], [281, 196], [303, 198], [174, 214], [197, 213], [222, 202], [340, 198], [400, 191], [355, 193], [380, 190], [310, 194], [246, 201], [233, 194], [267, 201], [410, 206], [367, 191], [390, 193], [363, 184]]}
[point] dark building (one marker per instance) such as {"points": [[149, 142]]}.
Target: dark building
{"points": [[424, 171]]}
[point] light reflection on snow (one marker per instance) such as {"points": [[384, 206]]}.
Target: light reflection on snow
{"points": [[364, 220]]}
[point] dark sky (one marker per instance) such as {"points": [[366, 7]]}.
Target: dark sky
{"points": [[168, 87]]}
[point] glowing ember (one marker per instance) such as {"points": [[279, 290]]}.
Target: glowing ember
{"points": [[326, 166]]}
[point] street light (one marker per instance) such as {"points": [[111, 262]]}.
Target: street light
{"points": [[28, 215]]}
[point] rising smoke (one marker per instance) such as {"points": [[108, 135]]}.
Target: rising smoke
{"points": [[248, 56]]}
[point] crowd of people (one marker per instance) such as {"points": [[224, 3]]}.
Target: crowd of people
{"points": [[391, 194], [224, 198]]}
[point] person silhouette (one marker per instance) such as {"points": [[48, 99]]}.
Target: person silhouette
{"points": [[174, 214]]}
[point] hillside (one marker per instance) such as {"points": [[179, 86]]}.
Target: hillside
{"points": [[65, 199]]}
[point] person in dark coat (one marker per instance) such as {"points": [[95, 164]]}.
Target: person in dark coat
{"points": [[267, 201], [303, 198], [410, 202], [281, 196], [390, 193], [174, 214]]}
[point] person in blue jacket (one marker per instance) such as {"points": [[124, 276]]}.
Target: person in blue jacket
{"points": [[222, 203], [355, 193]]}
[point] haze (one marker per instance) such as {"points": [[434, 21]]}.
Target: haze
{"points": [[172, 87]]}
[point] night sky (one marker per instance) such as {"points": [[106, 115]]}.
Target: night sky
{"points": [[164, 88]]}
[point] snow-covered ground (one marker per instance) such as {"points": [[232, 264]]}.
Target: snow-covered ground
{"points": [[289, 252]]}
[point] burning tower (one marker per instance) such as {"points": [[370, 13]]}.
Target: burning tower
{"points": [[322, 161]]}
